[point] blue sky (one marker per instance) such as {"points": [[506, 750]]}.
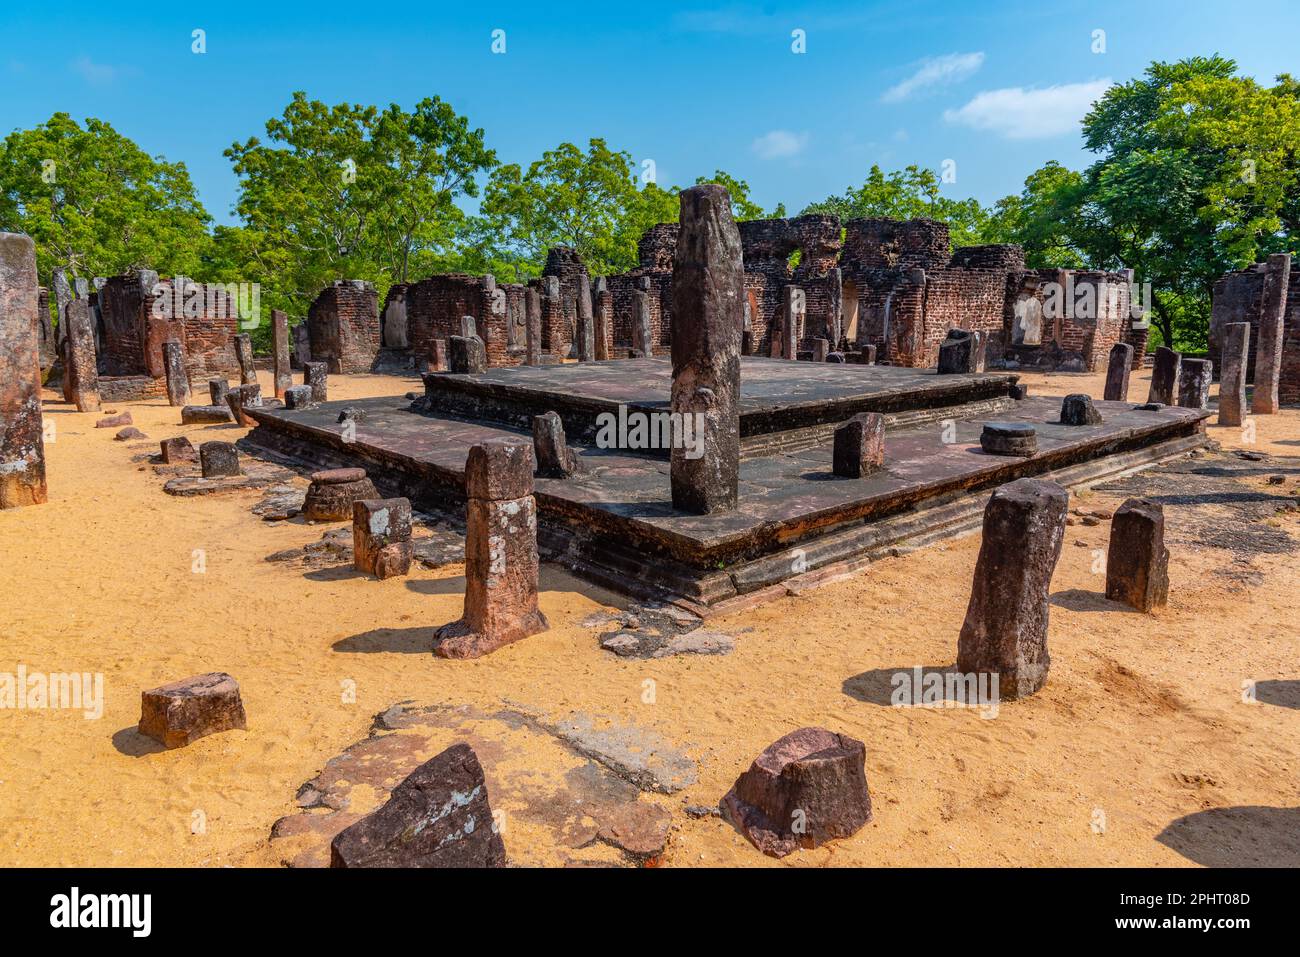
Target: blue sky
{"points": [[996, 87]]}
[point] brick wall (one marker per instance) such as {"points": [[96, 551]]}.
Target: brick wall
{"points": [[343, 323]]}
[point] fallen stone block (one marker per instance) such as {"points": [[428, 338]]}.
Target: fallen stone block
{"points": [[438, 817], [298, 397], [178, 450], [205, 414], [1078, 409], [127, 434], [217, 459], [805, 789], [179, 713], [114, 421], [381, 537]]}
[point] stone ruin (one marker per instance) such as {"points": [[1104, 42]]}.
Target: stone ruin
{"points": [[22, 438], [1266, 297]]}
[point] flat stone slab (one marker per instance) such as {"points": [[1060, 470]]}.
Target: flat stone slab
{"points": [[256, 475]]}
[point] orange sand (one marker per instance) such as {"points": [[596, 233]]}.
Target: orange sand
{"points": [[1142, 718]]}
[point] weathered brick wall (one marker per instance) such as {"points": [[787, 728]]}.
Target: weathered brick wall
{"points": [[1238, 297], [560, 327], [1080, 315], [973, 299], [1289, 380], [343, 323]]}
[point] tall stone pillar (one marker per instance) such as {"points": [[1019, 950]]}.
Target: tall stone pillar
{"points": [[642, 331], [532, 327], [280, 368], [178, 379], [1005, 631], [22, 439], [244, 353], [81, 373], [501, 561], [1232, 380], [835, 314], [604, 318], [708, 307], [586, 324], [1194, 378], [1268, 352], [785, 338], [1117, 372], [62, 296]]}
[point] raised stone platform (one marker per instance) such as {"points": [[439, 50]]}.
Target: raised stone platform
{"points": [[614, 523]]}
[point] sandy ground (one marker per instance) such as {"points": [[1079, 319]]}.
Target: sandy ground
{"points": [[1141, 724]]}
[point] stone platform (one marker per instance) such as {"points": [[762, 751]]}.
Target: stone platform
{"points": [[783, 405], [614, 523]]}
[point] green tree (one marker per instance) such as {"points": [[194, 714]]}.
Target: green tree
{"points": [[96, 204], [349, 190]]}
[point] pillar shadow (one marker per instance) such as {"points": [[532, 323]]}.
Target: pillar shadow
{"points": [[133, 744], [877, 686], [438, 586], [1245, 836], [405, 641], [1284, 693], [1078, 599]]}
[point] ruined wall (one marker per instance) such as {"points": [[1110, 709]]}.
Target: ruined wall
{"points": [[1067, 319], [343, 324], [654, 275], [559, 329], [1238, 297], [435, 306]]}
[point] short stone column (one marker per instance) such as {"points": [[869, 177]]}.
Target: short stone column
{"points": [[178, 379], [501, 563], [244, 353], [708, 297], [1005, 631], [1117, 372], [550, 447], [1232, 379], [1077, 409], [316, 375], [178, 450], [280, 365], [859, 445], [957, 352], [381, 537], [466, 355], [1268, 351], [603, 315], [1137, 562], [22, 435], [81, 364], [1164, 376], [217, 390], [1194, 378], [789, 319], [218, 459]]}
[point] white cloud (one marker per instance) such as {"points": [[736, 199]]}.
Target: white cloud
{"points": [[94, 73], [780, 144], [1025, 114], [935, 71]]}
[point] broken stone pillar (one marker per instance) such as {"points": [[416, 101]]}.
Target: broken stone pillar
{"points": [[217, 459], [1268, 351], [244, 353], [789, 320], [603, 317], [708, 298], [554, 457], [500, 552], [80, 370], [859, 445], [1232, 381], [642, 331], [438, 355], [1164, 376], [1078, 409], [241, 396], [979, 351], [22, 436], [217, 391], [180, 713], [466, 355], [1117, 372], [62, 296], [835, 307], [281, 376], [437, 817], [333, 492], [821, 348], [532, 326], [957, 352], [205, 414], [1005, 631], [1137, 562], [317, 375], [467, 327], [298, 397], [805, 789], [178, 380], [585, 329], [1194, 378], [381, 537], [178, 450]]}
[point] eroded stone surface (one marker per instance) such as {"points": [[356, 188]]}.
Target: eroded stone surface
{"points": [[22, 439], [1118, 368], [381, 536], [1078, 409], [1164, 376], [1137, 562], [180, 713], [859, 445]]}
